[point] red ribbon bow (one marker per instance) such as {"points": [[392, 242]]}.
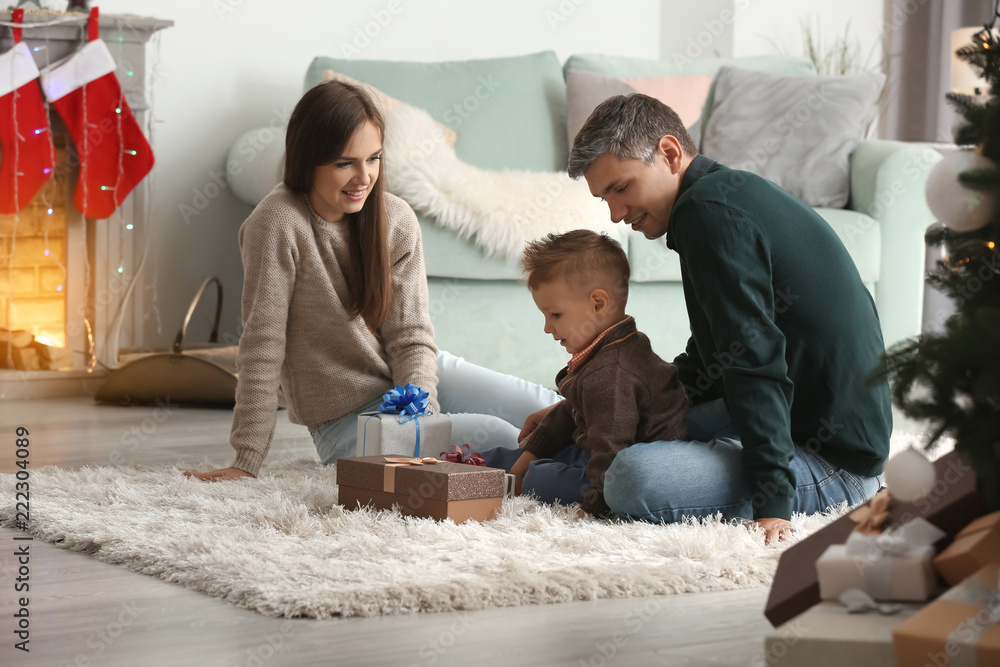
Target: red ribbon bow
{"points": [[457, 456]]}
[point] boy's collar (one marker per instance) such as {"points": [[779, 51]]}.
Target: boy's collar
{"points": [[584, 354]]}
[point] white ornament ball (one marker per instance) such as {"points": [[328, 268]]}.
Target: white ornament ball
{"points": [[909, 476], [953, 204]]}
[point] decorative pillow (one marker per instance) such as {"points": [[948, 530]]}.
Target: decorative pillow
{"points": [[795, 131], [388, 104], [683, 94]]}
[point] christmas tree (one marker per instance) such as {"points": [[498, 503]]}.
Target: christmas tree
{"points": [[951, 379]]}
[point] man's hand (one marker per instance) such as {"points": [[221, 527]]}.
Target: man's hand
{"points": [[532, 422], [218, 475], [774, 529], [519, 468]]}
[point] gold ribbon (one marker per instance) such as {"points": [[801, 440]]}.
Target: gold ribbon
{"points": [[871, 517], [393, 462]]}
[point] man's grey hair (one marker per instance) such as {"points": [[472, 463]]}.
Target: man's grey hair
{"points": [[629, 127]]}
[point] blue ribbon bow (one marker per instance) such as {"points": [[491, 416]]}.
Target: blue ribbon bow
{"points": [[409, 402]]}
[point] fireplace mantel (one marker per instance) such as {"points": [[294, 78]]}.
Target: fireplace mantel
{"points": [[103, 244]]}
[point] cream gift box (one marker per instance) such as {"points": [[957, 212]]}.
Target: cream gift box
{"points": [[895, 565], [403, 426]]}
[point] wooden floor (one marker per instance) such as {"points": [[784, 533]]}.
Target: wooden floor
{"points": [[87, 613]]}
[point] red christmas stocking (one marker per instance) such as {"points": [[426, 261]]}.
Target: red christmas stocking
{"points": [[114, 153], [26, 162]]}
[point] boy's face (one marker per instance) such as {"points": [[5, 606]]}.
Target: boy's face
{"points": [[571, 315]]}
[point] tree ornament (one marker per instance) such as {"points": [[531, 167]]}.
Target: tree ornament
{"points": [[909, 476], [954, 205]]}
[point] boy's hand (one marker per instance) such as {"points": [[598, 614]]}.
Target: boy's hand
{"points": [[519, 468], [532, 422]]}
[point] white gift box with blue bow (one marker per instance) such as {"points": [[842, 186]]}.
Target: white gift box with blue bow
{"points": [[403, 426]]}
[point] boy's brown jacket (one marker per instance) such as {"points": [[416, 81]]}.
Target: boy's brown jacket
{"points": [[621, 394]]}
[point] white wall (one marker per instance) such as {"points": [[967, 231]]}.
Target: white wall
{"points": [[773, 26], [229, 65]]}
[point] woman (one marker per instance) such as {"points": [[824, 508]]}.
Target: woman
{"points": [[335, 301]]}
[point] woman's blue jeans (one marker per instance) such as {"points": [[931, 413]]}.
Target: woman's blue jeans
{"points": [[486, 408]]}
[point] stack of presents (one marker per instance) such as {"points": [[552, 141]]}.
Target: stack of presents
{"points": [[398, 465], [909, 581]]}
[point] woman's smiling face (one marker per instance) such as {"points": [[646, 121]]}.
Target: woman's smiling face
{"points": [[341, 187]]}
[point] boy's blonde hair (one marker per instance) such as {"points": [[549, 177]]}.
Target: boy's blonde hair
{"points": [[582, 258]]}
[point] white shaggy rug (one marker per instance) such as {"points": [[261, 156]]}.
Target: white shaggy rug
{"points": [[281, 545]]}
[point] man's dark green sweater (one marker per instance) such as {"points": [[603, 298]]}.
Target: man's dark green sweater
{"points": [[782, 329]]}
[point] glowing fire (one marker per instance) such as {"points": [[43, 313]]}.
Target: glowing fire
{"points": [[53, 339]]}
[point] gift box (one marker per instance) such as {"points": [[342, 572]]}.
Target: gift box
{"points": [[975, 545], [952, 503], [828, 635], [961, 628], [895, 565], [402, 426], [421, 487]]}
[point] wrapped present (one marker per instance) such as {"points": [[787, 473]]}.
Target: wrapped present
{"points": [[421, 487], [402, 426], [960, 629], [894, 565], [952, 503], [975, 545]]}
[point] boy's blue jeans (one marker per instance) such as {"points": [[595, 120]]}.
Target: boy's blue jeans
{"points": [[667, 481]]}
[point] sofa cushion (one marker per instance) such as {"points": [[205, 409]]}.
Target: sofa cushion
{"points": [[798, 132], [635, 67], [652, 261], [524, 94], [585, 90]]}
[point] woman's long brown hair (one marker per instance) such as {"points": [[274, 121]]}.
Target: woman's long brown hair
{"points": [[318, 131]]}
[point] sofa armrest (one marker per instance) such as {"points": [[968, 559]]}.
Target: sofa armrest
{"points": [[256, 163], [887, 184]]}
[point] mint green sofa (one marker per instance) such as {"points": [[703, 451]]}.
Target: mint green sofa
{"points": [[510, 113]]}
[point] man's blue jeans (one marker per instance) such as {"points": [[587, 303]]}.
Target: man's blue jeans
{"points": [[667, 481]]}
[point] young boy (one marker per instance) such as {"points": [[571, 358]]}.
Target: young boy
{"points": [[617, 390]]}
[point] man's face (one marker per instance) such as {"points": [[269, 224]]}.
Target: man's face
{"points": [[640, 194]]}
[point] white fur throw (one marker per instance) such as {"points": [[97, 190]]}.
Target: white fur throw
{"points": [[500, 211]]}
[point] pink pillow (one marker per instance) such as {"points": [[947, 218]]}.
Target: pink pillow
{"points": [[684, 94]]}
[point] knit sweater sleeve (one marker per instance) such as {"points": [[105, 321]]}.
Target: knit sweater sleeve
{"points": [[407, 332], [269, 257], [554, 433]]}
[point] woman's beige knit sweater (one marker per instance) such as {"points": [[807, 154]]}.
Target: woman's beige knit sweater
{"points": [[297, 330]]}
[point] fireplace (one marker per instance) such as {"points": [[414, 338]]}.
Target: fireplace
{"points": [[70, 294]]}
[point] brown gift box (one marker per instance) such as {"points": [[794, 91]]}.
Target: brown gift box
{"points": [[952, 503], [959, 628], [440, 490], [976, 545]]}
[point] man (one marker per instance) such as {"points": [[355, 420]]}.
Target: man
{"points": [[783, 333]]}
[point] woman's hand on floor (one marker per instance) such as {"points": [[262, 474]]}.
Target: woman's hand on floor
{"points": [[218, 475], [532, 422]]}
